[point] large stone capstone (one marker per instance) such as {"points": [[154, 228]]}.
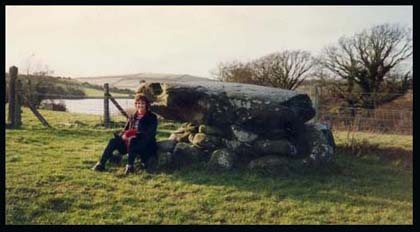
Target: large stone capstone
{"points": [[253, 108]]}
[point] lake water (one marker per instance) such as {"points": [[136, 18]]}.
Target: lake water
{"points": [[95, 106]]}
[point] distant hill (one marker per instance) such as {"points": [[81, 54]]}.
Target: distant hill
{"points": [[132, 81], [65, 86]]}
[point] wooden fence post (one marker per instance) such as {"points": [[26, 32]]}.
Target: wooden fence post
{"points": [[19, 101], [13, 73], [106, 106], [30, 95], [118, 106], [36, 113], [316, 103]]}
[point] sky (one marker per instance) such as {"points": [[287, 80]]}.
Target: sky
{"points": [[83, 41]]}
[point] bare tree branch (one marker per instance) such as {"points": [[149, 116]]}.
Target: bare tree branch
{"points": [[367, 58], [286, 69]]}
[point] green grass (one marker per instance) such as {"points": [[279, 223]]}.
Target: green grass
{"points": [[49, 181], [382, 140]]}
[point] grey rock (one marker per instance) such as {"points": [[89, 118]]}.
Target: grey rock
{"points": [[276, 134], [207, 142], [222, 159], [243, 135], [185, 155], [272, 165], [278, 147], [165, 159], [231, 144], [211, 130], [245, 152], [320, 146], [166, 145], [152, 164]]}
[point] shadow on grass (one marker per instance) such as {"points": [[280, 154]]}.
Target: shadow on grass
{"points": [[402, 157], [358, 183], [362, 180]]}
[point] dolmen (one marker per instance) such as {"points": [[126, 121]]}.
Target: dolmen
{"points": [[227, 126]]}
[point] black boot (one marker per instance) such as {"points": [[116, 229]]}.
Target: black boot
{"points": [[115, 159], [129, 169], [98, 167], [143, 165]]}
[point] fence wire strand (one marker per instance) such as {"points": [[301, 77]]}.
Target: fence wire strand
{"points": [[334, 115]]}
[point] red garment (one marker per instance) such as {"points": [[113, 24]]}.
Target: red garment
{"points": [[131, 133], [140, 115]]}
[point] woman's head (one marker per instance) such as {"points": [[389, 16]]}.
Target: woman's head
{"points": [[142, 103]]}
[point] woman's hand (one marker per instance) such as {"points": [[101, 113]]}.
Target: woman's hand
{"points": [[127, 138]]}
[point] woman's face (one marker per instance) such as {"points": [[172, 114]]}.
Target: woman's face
{"points": [[141, 106]]}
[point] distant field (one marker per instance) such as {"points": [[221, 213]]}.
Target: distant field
{"points": [[98, 93], [49, 181], [67, 87]]}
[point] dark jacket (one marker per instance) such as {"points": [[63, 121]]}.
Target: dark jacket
{"points": [[146, 131]]}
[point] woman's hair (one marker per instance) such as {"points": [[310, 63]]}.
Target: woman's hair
{"points": [[141, 97]]}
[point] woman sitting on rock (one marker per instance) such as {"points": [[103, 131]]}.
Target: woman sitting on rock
{"points": [[138, 137]]}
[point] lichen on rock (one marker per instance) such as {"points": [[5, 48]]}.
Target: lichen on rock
{"points": [[222, 159]]}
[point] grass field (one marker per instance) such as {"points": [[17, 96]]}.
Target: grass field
{"points": [[49, 181]]}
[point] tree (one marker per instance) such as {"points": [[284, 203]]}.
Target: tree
{"points": [[235, 72], [368, 62], [36, 86], [286, 69]]}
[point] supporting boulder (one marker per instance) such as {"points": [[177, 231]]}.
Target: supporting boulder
{"points": [[278, 147], [245, 152], [186, 155], [321, 146], [164, 160], [166, 145], [222, 159], [270, 165]]}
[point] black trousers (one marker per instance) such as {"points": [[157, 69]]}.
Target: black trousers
{"points": [[136, 147]]}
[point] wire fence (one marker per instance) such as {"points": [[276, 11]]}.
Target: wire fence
{"points": [[380, 120], [87, 105], [394, 117]]}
